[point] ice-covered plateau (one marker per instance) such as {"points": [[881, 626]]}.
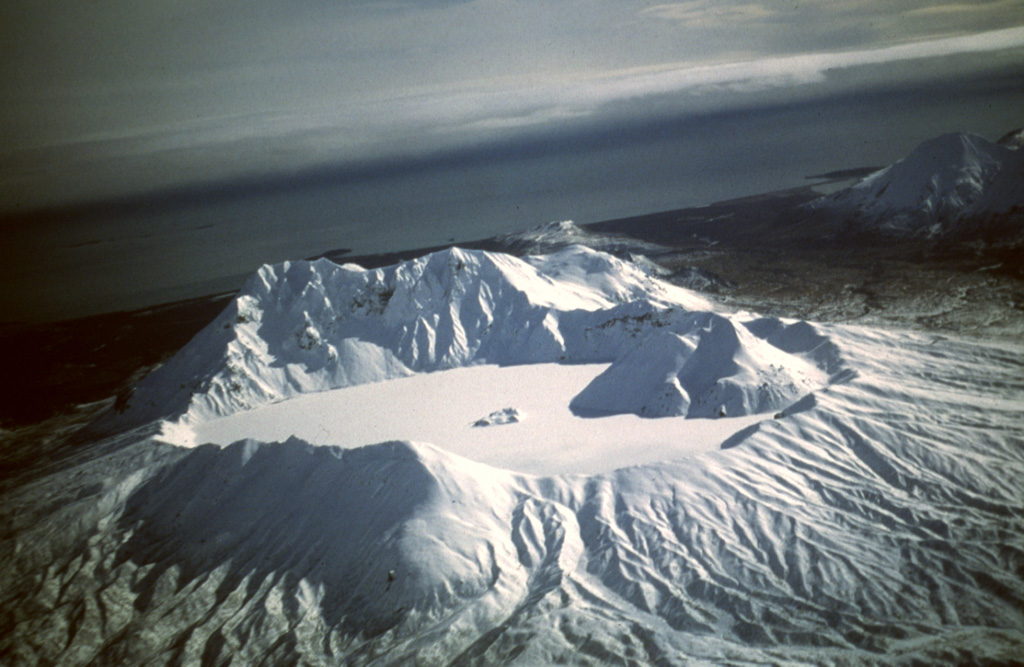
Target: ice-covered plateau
{"points": [[873, 516], [944, 183]]}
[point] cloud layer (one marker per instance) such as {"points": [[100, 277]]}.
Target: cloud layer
{"points": [[155, 93]]}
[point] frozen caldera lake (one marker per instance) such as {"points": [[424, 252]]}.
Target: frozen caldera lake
{"points": [[443, 408]]}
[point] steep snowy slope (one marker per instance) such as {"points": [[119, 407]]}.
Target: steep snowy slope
{"points": [[302, 327], [946, 180]]}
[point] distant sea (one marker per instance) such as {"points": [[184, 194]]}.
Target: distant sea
{"points": [[165, 247]]}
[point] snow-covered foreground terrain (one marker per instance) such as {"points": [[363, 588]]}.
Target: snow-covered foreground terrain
{"points": [[834, 495]]}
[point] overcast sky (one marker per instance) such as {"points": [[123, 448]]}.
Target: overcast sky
{"points": [[107, 97]]}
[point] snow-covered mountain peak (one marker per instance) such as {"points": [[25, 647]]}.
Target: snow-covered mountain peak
{"points": [[947, 179], [946, 173], [555, 229], [545, 238]]}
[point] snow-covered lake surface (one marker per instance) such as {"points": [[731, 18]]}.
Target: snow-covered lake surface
{"points": [[442, 407]]}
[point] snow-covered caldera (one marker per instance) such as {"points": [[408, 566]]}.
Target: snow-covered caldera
{"points": [[944, 182], [868, 511], [303, 327]]}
